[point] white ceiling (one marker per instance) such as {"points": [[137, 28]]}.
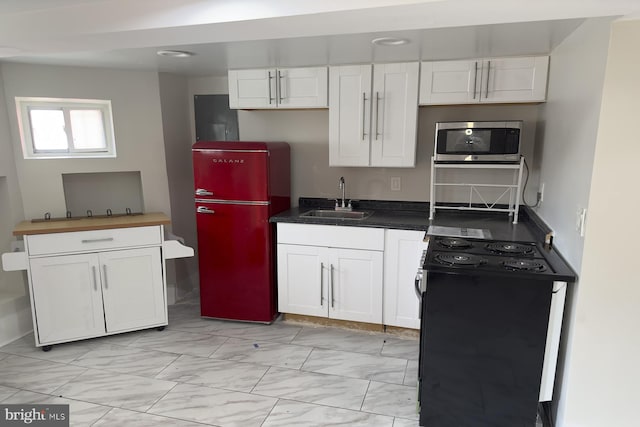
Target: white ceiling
{"points": [[256, 33]]}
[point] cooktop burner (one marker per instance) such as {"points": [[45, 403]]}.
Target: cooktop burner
{"points": [[509, 248], [453, 259], [454, 243], [524, 265]]}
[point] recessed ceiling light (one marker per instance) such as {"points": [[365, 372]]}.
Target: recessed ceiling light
{"points": [[175, 53], [389, 41]]}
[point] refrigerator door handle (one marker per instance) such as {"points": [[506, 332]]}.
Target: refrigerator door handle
{"points": [[203, 192], [204, 209]]}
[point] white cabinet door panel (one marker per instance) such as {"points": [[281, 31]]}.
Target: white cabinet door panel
{"points": [[450, 82], [302, 278], [395, 114], [252, 88], [66, 298], [133, 289], [515, 79], [349, 115], [302, 87], [403, 249], [355, 285]]}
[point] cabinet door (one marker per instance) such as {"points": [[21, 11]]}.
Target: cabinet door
{"points": [[450, 82], [252, 88], [302, 87], [133, 289], [395, 115], [515, 79], [402, 252], [66, 298], [302, 278], [349, 115], [355, 285]]}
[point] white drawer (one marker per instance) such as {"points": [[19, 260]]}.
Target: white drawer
{"points": [[334, 236], [93, 240]]}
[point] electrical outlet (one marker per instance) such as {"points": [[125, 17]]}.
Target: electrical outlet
{"points": [[395, 183], [581, 217]]}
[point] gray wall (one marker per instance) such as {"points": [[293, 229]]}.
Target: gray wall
{"points": [[177, 126], [15, 315], [138, 131], [307, 131], [601, 373]]}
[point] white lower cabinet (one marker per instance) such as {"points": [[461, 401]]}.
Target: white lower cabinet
{"points": [[87, 284], [335, 282], [402, 252], [90, 295]]}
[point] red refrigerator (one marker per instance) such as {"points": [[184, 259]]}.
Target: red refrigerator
{"points": [[238, 186]]}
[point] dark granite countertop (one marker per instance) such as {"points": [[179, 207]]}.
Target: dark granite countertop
{"points": [[415, 216]]}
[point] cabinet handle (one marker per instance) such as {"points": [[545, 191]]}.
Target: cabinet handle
{"points": [[475, 80], [104, 270], [486, 93], [333, 298], [377, 114], [105, 239], [279, 86], [203, 192], [204, 209], [95, 281], [321, 280], [269, 85], [364, 99]]}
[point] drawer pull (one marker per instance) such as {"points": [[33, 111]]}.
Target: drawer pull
{"points": [[106, 239]]}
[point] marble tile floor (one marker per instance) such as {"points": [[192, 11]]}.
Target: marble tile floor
{"points": [[211, 372]]}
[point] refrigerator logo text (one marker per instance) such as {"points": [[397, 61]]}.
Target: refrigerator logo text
{"points": [[234, 161]]}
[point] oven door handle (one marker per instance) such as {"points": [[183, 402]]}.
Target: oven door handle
{"points": [[418, 283]]}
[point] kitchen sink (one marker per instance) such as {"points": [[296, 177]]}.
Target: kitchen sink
{"points": [[330, 213]]}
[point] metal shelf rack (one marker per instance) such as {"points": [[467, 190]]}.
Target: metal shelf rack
{"points": [[512, 190]]}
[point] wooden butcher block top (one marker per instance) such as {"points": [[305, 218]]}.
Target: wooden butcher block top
{"points": [[93, 223]]}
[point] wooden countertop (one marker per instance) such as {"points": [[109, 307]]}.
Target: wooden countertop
{"points": [[85, 224]]}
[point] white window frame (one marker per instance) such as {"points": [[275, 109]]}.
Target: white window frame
{"points": [[24, 104]]}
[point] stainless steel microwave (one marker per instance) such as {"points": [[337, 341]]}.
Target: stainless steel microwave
{"points": [[478, 141]]}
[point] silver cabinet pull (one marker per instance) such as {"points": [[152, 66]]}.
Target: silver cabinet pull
{"points": [[486, 93], [321, 287], [269, 85], [203, 192], [95, 281], [364, 99], [333, 297], [105, 239], [377, 114], [104, 270], [279, 85], [475, 80], [204, 209]]}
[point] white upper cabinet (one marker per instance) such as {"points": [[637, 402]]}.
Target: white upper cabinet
{"points": [[497, 80], [373, 115], [278, 88]]}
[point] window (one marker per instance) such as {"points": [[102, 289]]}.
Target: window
{"points": [[65, 128]]}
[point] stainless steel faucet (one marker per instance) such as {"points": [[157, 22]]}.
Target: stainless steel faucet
{"points": [[343, 186]]}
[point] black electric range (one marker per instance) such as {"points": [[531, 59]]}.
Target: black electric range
{"points": [[484, 322], [488, 257]]}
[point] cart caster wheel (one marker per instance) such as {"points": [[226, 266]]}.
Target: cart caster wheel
{"points": [[160, 328], [47, 348]]}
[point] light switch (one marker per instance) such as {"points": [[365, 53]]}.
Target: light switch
{"points": [[395, 183]]}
